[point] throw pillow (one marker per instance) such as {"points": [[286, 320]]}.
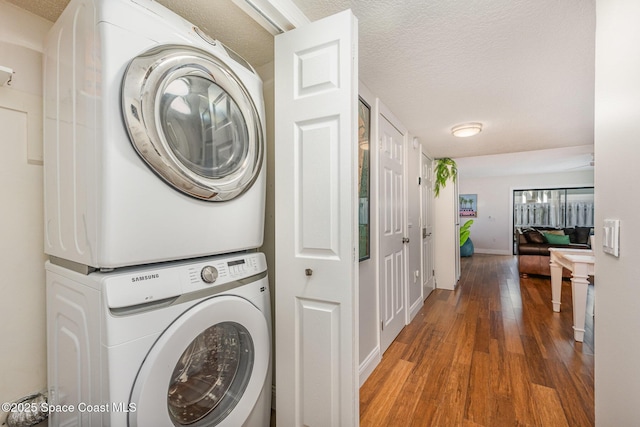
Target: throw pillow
{"points": [[556, 239], [582, 235], [571, 232], [534, 236]]}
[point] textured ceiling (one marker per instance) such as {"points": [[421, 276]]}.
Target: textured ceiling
{"points": [[523, 68]]}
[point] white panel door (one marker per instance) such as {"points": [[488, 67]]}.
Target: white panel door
{"points": [[316, 95], [392, 229], [428, 278]]}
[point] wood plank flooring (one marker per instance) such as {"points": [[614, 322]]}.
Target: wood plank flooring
{"points": [[491, 353]]}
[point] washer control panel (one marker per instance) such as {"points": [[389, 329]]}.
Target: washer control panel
{"points": [[144, 285], [238, 267], [220, 270]]}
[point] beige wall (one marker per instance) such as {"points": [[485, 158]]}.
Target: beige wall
{"points": [[617, 153], [22, 285]]}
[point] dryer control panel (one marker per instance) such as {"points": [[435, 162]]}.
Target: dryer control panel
{"points": [[154, 283]]}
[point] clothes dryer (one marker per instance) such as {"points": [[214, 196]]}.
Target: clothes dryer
{"points": [[174, 344], [154, 139]]}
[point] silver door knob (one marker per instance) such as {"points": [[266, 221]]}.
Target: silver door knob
{"points": [[405, 240], [308, 272]]}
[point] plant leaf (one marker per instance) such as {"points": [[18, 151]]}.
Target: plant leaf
{"points": [[465, 232], [445, 170]]}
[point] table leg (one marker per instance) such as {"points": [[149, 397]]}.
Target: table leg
{"points": [[579, 287], [556, 285]]}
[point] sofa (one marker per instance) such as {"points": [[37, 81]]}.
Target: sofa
{"points": [[533, 247]]}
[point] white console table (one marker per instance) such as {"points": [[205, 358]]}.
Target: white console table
{"points": [[581, 263]]}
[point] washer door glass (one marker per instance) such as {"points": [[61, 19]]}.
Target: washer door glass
{"points": [[209, 367], [193, 121], [210, 374]]}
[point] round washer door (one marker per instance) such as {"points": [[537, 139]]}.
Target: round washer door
{"points": [[192, 120], [207, 368]]}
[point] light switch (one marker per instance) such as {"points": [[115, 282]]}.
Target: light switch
{"points": [[611, 237]]}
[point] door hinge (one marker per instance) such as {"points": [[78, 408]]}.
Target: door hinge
{"points": [[382, 325], [419, 180]]}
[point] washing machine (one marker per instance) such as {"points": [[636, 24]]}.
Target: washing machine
{"points": [[185, 343], [154, 139]]}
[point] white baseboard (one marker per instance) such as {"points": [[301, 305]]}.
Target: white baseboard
{"points": [[369, 364], [415, 309]]}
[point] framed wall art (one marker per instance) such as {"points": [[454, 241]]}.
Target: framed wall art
{"points": [[364, 162], [468, 205]]}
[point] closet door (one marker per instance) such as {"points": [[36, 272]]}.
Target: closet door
{"points": [[316, 163], [393, 301]]}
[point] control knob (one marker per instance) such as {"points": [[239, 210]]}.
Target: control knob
{"points": [[209, 274]]}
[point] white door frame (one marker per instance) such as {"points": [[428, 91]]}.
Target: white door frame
{"points": [[413, 227], [428, 277]]}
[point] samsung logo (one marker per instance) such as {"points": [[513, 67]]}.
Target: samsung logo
{"points": [[146, 277]]}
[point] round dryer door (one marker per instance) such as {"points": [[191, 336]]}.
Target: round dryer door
{"points": [[193, 121], [209, 367]]}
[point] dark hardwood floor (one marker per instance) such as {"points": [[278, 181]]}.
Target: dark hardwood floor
{"points": [[491, 353]]}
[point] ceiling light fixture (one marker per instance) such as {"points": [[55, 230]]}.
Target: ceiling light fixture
{"points": [[466, 129]]}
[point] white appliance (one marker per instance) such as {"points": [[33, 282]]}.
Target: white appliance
{"points": [[175, 344], [154, 139]]}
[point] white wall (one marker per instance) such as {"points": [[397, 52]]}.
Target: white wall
{"points": [[491, 231], [446, 238], [617, 153], [369, 343], [22, 306]]}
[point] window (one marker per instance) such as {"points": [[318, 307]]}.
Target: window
{"points": [[558, 207]]}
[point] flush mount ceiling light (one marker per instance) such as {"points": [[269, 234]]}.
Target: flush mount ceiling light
{"points": [[466, 129]]}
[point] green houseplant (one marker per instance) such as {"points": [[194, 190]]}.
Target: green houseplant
{"points": [[445, 169], [466, 245]]}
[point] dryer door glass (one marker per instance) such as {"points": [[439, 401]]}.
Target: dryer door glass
{"points": [[204, 127], [210, 375], [193, 121]]}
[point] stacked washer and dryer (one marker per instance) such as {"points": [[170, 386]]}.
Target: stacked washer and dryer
{"points": [[158, 305]]}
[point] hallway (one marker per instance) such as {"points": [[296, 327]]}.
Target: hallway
{"points": [[491, 353]]}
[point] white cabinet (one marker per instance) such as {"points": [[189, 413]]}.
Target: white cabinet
{"points": [[447, 237]]}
